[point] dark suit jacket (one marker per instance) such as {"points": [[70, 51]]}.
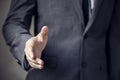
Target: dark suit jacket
{"points": [[114, 43], [74, 51]]}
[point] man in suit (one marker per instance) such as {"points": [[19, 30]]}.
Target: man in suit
{"points": [[76, 46]]}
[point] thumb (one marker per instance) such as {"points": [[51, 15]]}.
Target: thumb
{"points": [[43, 33]]}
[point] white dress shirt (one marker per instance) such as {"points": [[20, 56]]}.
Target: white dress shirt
{"points": [[92, 7], [92, 4]]}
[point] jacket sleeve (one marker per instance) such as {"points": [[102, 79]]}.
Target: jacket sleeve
{"points": [[16, 28], [114, 43]]}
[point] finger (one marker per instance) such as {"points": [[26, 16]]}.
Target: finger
{"points": [[29, 48], [40, 61], [36, 61], [30, 60], [43, 34], [31, 53], [33, 65]]}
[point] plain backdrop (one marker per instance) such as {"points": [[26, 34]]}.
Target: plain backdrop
{"points": [[9, 69]]}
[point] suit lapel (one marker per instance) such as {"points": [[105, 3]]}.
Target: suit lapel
{"points": [[78, 9], [94, 14]]}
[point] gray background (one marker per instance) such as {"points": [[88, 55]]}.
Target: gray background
{"points": [[9, 69]]}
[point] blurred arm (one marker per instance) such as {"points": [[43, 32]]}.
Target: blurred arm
{"points": [[16, 28]]}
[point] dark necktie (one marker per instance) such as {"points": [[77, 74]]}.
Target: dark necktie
{"points": [[85, 6]]}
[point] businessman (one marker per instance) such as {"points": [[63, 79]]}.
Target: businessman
{"points": [[74, 39]]}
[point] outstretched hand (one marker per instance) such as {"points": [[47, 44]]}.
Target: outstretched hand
{"points": [[34, 47]]}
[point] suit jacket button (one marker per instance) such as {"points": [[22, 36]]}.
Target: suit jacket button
{"points": [[84, 64]]}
